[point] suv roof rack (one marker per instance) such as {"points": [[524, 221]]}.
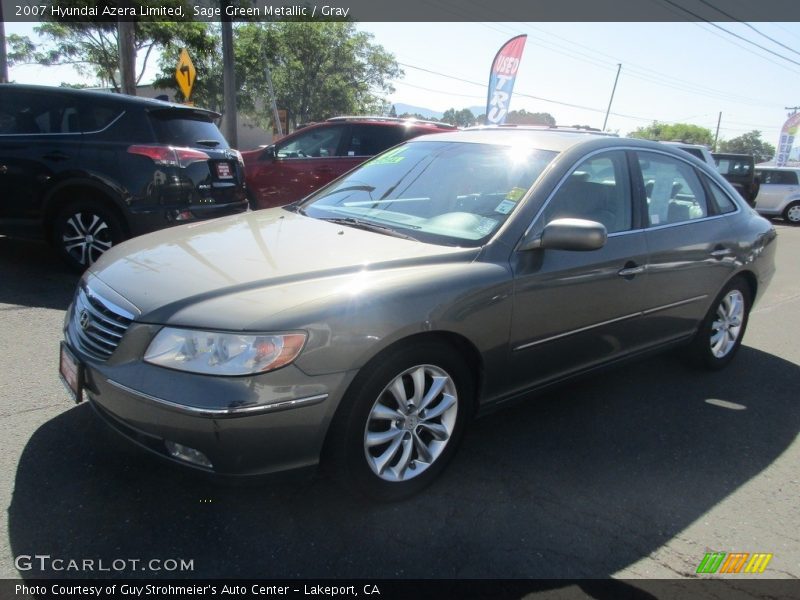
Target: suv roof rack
{"points": [[568, 128], [392, 120]]}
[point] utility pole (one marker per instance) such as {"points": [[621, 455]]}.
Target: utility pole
{"points": [[716, 135], [274, 104], [794, 110], [127, 56], [229, 128], [3, 56], [614, 89]]}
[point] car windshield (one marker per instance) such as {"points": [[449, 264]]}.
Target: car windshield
{"points": [[450, 193]]}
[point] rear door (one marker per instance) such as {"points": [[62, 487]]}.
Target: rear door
{"points": [[690, 244], [40, 141], [776, 186]]}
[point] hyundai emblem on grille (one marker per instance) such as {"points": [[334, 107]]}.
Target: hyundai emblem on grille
{"points": [[84, 320]]}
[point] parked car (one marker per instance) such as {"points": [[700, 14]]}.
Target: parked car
{"points": [[739, 170], [90, 169], [320, 152], [779, 194], [698, 151], [448, 275]]}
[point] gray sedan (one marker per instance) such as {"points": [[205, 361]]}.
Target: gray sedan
{"points": [[366, 326]]}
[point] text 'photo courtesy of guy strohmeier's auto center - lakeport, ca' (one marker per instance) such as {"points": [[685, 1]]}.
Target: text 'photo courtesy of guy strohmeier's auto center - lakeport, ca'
{"points": [[400, 300]]}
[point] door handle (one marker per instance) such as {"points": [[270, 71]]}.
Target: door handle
{"points": [[721, 252], [630, 270]]}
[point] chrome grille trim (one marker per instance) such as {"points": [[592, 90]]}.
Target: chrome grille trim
{"points": [[105, 324]]}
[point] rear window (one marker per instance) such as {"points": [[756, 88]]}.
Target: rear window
{"points": [[733, 166], [183, 128]]}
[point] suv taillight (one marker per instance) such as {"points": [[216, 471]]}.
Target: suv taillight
{"points": [[170, 155]]}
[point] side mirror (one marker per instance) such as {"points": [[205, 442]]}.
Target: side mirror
{"points": [[269, 153], [569, 234]]}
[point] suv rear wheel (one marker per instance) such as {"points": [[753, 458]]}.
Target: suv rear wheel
{"points": [[792, 213], [84, 230]]}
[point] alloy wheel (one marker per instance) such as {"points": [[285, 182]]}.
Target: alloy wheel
{"points": [[411, 423], [86, 235], [727, 327]]}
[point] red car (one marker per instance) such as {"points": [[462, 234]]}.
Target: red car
{"points": [[309, 158]]}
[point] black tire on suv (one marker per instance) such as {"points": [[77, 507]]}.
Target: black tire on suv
{"points": [[83, 230]]}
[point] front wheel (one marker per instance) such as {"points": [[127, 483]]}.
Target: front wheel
{"points": [[722, 330], [401, 421]]}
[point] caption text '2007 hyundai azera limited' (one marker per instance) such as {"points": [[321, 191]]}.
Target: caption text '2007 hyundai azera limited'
{"points": [[365, 326]]}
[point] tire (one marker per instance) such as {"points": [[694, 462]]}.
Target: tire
{"points": [[83, 230], [791, 213], [388, 449], [720, 334]]}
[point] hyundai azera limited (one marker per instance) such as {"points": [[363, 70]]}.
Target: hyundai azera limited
{"points": [[365, 326]]}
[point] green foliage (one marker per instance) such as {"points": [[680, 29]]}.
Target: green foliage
{"points": [[522, 117], [681, 132], [319, 70], [93, 48], [749, 143], [460, 118]]}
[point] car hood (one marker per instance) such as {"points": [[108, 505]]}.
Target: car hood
{"points": [[164, 272]]}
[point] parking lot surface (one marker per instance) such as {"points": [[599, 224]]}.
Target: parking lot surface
{"points": [[637, 472]]}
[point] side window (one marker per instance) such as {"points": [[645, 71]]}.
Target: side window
{"points": [[318, 142], [368, 140], [598, 190], [764, 176], [785, 177], [721, 200], [674, 192]]}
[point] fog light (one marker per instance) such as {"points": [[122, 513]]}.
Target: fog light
{"points": [[187, 454]]}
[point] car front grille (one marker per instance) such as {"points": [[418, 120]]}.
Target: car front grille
{"points": [[97, 325]]}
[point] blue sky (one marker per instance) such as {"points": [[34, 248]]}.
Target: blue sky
{"points": [[673, 72]]}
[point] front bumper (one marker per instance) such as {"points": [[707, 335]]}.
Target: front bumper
{"points": [[247, 425]]}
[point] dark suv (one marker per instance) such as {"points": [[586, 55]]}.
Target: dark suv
{"points": [[90, 169], [739, 169], [309, 158]]}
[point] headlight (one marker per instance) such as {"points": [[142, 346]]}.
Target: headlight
{"points": [[215, 353]]}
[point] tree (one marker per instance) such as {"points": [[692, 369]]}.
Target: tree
{"points": [[319, 70], [684, 132], [749, 143], [522, 117], [460, 118], [93, 47]]}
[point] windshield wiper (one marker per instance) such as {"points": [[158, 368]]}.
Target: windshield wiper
{"points": [[359, 224], [208, 143]]}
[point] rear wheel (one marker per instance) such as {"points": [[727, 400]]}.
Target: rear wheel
{"points": [[401, 421], [83, 231], [722, 330], [792, 213]]}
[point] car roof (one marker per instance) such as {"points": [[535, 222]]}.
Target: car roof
{"points": [[107, 95], [543, 138], [776, 168], [390, 121]]}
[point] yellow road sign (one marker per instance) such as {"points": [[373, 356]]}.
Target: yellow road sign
{"points": [[185, 74]]}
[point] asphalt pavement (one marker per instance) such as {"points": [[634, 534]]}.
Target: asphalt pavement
{"points": [[635, 473]]}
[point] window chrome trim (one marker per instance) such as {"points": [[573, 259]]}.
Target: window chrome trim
{"points": [[221, 413], [628, 231], [117, 118], [640, 313]]}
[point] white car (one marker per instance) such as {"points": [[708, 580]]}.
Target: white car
{"points": [[695, 150], [779, 194]]}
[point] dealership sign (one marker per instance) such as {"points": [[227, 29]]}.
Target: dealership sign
{"points": [[501, 79]]}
